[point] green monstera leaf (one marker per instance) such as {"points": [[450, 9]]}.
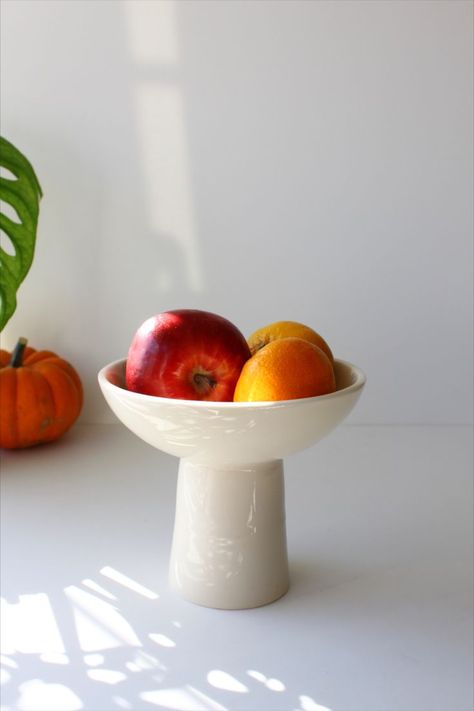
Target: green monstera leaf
{"points": [[23, 193]]}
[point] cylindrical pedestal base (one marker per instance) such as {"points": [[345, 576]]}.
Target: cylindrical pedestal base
{"points": [[229, 543]]}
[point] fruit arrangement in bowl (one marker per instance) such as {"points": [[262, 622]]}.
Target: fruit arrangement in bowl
{"points": [[230, 408], [197, 355]]}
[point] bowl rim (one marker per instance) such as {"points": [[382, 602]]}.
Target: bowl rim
{"points": [[358, 383]]}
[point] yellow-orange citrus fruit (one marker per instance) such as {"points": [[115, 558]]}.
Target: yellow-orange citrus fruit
{"points": [[285, 369], [287, 329]]}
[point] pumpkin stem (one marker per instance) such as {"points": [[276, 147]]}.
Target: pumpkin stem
{"points": [[16, 360]]}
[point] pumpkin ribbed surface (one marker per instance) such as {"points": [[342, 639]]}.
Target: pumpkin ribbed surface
{"points": [[39, 399]]}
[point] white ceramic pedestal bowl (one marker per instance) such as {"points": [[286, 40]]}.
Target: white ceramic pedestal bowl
{"points": [[229, 543]]}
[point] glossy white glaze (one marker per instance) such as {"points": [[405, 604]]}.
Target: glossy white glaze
{"points": [[229, 543], [228, 433]]}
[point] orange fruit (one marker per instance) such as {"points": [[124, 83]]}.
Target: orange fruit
{"points": [[285, 369], [287, 329]]}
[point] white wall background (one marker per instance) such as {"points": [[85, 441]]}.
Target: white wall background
{"points": [[264, 160]]}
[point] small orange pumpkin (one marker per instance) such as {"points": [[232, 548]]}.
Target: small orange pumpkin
{"points": [[40, 396]]}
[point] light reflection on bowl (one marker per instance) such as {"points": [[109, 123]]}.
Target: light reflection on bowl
{"points": [[228, 433]]}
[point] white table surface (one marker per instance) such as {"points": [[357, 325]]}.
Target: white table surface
{"points": [[378, 617]]}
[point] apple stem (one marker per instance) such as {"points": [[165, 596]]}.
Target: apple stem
{"points": [[203, 382]]}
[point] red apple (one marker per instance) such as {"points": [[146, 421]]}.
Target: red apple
{"points": [[187, 354]]}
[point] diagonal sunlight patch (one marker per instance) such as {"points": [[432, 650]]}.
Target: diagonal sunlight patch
{"points": [[106, 676], [162, 640], [30, 626], [99, 625], [143, 661], [40, 696], [127, 582], [258, 676], [7, 662], [272, 683], [206, 701], [54, 658], [187, 698], [223, 680], [92, 585], [94, 660], [308, 704]]}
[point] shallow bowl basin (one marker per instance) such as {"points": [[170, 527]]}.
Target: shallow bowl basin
{"points": [[231, 433]]}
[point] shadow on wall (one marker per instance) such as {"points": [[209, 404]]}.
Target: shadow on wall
{"points": [[155, 228], [118, 240], [161, 149]]}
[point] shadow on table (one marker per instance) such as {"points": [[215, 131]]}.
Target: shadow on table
{"points": [[108, 641], [89, 623]]}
